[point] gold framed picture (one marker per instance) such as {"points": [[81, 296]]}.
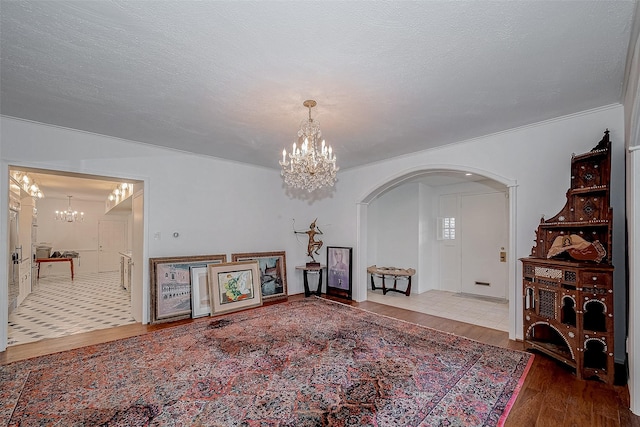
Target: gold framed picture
{"points": [[273, 272], [171, 285], [234, 286]]}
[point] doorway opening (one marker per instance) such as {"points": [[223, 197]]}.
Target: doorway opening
{"points": [[88, 290], [454, 226]]}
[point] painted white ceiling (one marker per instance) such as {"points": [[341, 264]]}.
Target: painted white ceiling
{"points": [[227, 79]]}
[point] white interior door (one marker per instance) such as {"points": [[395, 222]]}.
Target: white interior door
{"points": [[13, 259], [136, 256], [483, 239], [112, 239]]}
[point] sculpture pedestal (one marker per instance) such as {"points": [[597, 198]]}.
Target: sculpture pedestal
{"points": [[315, 269]]}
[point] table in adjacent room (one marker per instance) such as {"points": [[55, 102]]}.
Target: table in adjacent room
{"points": [[41, 260]]}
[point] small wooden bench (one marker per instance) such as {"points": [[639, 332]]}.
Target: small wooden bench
{"points": [[396, 273]]}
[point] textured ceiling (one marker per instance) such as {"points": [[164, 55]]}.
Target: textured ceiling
{"points": [[227, 79]]}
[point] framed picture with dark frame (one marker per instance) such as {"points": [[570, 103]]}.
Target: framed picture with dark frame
{"points": [[171, 285], [339, 277], [273, 272], [234, 286]]}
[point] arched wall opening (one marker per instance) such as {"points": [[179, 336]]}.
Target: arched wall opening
{"points": [[364, 257]]}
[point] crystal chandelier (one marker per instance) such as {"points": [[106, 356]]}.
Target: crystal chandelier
{"points": [[309, 167], [69, 215]]}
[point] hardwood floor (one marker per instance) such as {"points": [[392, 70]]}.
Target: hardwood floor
{"points": [[550, 395]]}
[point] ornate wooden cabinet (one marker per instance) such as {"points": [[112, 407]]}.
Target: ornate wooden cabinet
{"points": [[568, 278]]}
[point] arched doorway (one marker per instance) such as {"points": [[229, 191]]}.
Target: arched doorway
{"points": [[366, 257]]}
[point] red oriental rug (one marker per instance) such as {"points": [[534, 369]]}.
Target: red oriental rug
{"points": [[308, 362]]}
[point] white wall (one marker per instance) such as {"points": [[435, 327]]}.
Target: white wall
{"points": [[632, 134], [397, 229], [427, 237], [80, 236], [633, 348], [372, 236]]}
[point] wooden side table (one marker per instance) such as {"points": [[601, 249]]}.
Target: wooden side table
{"points": [[69, 260], [396, 273], [314, 270]]}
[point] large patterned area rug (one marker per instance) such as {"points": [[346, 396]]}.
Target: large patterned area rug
{"points": [[308, 362]]}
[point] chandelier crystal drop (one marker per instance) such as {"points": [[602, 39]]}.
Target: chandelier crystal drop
{"points": [[69, 215], [307, 166]]}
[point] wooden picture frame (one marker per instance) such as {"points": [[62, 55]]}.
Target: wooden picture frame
{"points": [[273, 272], [234, 286], [339, 277], [170, 285]]}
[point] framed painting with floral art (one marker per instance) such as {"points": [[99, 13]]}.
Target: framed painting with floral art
{"points": [[234, 286]]}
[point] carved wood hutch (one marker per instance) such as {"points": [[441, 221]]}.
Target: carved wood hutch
{"points": [[568, 278]]}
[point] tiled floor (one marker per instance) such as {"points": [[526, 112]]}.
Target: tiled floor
{"points": [[479, 311], [59, 306]]}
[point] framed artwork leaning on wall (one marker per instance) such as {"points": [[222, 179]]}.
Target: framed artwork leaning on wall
{"points": [[200, 301], [234, 286], [273, 272], [339, 268], [171, 285]]}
